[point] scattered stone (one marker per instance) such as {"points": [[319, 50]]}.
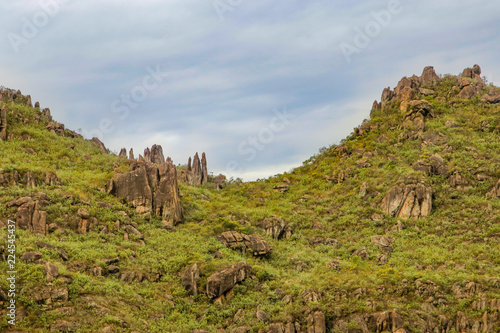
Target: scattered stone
{"points": [[495, 191], [276, 227], [220, 182], [361, 253], [242, 242], [190, 280], [459, 182], [31, 256], [225, 279], [408, 200], [323, 241]]}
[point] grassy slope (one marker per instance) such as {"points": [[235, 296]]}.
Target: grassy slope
{"points": [[461, 231]]}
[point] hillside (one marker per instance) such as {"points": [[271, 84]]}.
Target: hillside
{"points": [[395, 229]]}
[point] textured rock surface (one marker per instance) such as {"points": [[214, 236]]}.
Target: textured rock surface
{"points": [[241, 242], [190, 280], [224, 280], [30, 217], [3, 123], [197, 173], [99, 144], [408, 200], [150, 188]]}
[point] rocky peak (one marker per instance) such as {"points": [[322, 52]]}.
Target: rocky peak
{"points": [[197, 173]]}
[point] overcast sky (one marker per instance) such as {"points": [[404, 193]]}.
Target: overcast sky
{"points": [[258, 85]]}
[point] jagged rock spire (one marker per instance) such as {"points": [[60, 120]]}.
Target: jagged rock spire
{"points": [[204, 170], [123, 153], [3, 124], [157, 154], [131, 154]]}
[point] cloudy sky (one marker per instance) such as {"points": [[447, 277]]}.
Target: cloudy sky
{"points": [[258, 85]]}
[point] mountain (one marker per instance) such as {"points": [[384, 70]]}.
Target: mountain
{"points": [[395, 229]]}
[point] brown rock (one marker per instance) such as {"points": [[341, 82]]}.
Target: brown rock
{"points": [[157, 155], [316, 322], [429, 76], [29, 217], [408, 200], [195, 173], [224, 280], [99, 144], [131, 154], [493, 97], [220, 182], [204, 169], [242, 242], [276, 227], [51, 271], [190, 280], [3, 123], [361, 253], [123, 153], [151, 189], [459, 182], [31, 256]]}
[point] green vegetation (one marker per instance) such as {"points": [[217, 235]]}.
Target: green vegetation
{"points": [[457, 243]]}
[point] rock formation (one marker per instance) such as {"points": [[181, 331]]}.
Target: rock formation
{"points": [[123, 153], [157, 155], [241, 242], [99, 144], [150, 188], [224, 280], [131, 154], [3, 123], [197, 171], [495, 191], [190, 280], [220, 182], [408, 200], [276, 227], [30, 217]]}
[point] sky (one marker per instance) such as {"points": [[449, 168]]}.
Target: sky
{"points": [[260, 86]]}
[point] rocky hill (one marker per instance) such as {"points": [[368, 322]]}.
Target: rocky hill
{"points": [[395, 229]]}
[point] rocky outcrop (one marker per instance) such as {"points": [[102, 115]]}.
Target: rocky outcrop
{"points": [[3, 123], [458, 181], [131, 154], [241, 242], [417, 112], [493, 97], [408, 200], [383, 242], [30, 217], [276, 227], [157, 155], [150, 188], [99, 144], [220, 181], [316, 322], [123, 153], [190, 280], [429, 76], [224, 280], [197, 173]]}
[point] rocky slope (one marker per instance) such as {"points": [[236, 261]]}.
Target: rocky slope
{"points": [[395, 229]]}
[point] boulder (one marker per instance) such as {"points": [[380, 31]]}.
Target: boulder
{"points": [[408, 200], [276, 227], [241, 242], [493, 97], [190, 279], [31, 256], [150, 188], [220, 182], [30, 217], [3, 123], [361, 253], [225, 279], [458, 181]]}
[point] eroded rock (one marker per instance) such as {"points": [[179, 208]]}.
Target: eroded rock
{"points": [[225, 279]]}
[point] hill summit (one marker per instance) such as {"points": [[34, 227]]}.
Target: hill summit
{"points": [[395, 229]]}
